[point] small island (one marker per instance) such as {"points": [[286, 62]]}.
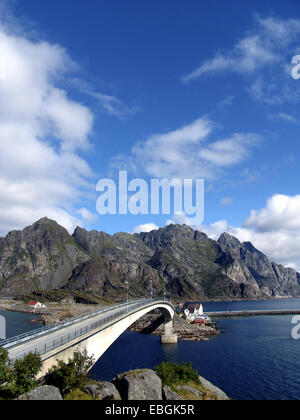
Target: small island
{"points": [[153, 324]]}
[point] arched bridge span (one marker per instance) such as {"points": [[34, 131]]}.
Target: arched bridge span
{"points": [[94, 332]]}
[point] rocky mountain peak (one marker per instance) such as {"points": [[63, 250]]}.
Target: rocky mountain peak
{"points": [[250, 247], [167, 236], [45, 257], [229, 241], [45, 223]]}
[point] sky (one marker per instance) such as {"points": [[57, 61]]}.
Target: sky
{"points": [[172, 89]]}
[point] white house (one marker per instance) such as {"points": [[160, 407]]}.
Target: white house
{"points": [[36, 305]]}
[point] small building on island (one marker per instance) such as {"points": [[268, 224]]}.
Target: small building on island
{"points": [[195, 314], [36, 305]]}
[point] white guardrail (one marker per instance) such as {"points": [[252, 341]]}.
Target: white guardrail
{"points": [[127, 308]]}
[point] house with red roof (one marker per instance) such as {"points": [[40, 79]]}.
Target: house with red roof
{"points": [[36, 305]]}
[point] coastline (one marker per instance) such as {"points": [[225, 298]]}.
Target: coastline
{"points": [[53, 314], [154, 324], [57, 312]]}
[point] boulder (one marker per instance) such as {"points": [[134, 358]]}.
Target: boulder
{"points": [[170, 395], [139, 385], [42, 393], [213, 389], [191, 390], [102, 391]]}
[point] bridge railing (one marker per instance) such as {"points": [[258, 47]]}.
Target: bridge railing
{"points": [[77, 332], [49, 329]]}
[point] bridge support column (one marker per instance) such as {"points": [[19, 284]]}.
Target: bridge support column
{"points": [[169, 337]]}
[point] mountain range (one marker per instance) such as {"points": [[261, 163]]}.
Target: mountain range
{"points": [[175, 259]]}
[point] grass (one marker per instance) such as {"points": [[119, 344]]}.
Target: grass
{"points": [[173, 374], [78, 395], [188, 395]]}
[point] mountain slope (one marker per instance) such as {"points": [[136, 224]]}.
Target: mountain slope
{"points": [[250, 267], [184, 262], [42, 256]]}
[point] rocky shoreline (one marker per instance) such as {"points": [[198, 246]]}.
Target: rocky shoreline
{"points": [[52, 315], [153, 324], [136, 385], [149, 324]]}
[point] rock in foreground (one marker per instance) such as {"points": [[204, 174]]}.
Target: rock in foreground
{"points": [[103, 391], [139, 385], [170, 395], [220, 395], [42, 393]]}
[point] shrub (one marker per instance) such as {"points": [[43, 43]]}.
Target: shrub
{"points": [[175, 374], [24, 372], [71, 375], [5, 367]]}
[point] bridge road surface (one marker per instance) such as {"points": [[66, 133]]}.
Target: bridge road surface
{"points": [[16, 351]]}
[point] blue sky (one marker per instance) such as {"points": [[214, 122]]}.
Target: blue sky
{"points": [[97, 86]]}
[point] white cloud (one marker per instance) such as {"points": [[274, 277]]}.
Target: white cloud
{"points": [[148, 227], [285, 117], [226, 201], [262, 55], [112, 105], [42, 132], [248, 55], [188, 152], [229, 152], [86, 215], [170, 154], [274, 230], [228, 101], [179, 218]]}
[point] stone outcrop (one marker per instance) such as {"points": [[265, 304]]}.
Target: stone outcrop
{"points": [[220, 395], [139, 385], [169, 395], [103, 391], [191, 390], [42, 393], [183, 262]]}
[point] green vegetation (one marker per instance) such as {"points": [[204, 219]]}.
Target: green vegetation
{"points": [[184, 380], [24, 374], [59, 295], [19, 377], [173, 374], [72, 375], [78, 395], [5, 369]]}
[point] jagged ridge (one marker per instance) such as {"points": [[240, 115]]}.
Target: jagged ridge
{"points": [[176, 258]]}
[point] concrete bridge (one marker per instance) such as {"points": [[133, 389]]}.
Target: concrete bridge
{"points": [[94, 332]]}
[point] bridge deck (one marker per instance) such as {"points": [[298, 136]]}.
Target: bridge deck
{"points": [[47, 340]]}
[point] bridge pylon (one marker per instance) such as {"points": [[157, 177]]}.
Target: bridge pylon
{"points": [[169, 337]]}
